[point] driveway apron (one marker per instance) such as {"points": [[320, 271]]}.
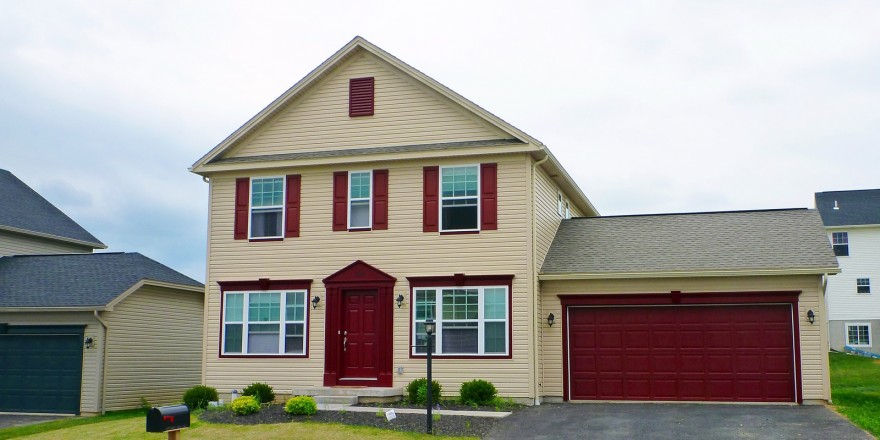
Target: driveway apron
{"points": [[7, 420], [675, 421]]}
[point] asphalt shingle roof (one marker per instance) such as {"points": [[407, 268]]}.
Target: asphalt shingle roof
{"points": [[719, 241], [859, 207], [77, 280], [23, 208]]}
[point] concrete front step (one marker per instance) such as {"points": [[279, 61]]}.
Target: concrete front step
{"points": [[360, 394], [341, 400]]}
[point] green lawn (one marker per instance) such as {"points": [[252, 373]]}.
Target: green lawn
{"points": [[855, 389], [131, 425]]}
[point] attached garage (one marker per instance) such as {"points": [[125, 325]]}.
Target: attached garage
{"points": [[717, 307], [42, 368]]}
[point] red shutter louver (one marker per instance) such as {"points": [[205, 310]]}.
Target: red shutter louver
{"points": [[340, 201], [292, 206], [380, 199], [242, 201], [361, 96], [488, 196], [430, 199]]}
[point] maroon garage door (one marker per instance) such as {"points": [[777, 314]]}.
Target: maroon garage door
{"points": [[686, 353]]}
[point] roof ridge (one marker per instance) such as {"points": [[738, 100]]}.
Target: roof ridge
{"points": [[694, 213], [847, 190]]}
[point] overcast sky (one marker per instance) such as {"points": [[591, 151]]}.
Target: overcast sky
{"points": [[652, 106]]}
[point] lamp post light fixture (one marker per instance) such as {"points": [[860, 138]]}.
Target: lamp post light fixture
{"points": [[811, 316], [430, 327], [315, 302], [399, 300]]}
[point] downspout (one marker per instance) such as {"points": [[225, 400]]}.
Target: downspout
{"points": [[536, 320], [103, 380]]}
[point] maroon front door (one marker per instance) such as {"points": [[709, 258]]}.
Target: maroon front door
{"points": [[360, 329], [686, 353]]}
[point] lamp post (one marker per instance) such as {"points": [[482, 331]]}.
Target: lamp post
{"points": [[430, 326]]}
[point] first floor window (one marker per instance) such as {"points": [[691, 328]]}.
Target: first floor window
{"points": [[265, 322], [267, 206], [470, 320], [863, 285], [840, 243], [858, 334], [459, 198]]}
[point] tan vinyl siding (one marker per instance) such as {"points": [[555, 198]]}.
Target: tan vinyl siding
{"points": [[155, 346], [401, 251], [18, 244], [406, 113], [91, 380], [814, 356]]}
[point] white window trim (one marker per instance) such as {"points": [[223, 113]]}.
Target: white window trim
{"points": [[282, 332], [559, 205], [251, 206], [441, 198], [369, 201], [868, 285], [845, 242], [481, 320], [859, 324], [567, 210]]}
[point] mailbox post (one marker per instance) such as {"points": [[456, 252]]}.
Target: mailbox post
{"points": [[170, 419]]}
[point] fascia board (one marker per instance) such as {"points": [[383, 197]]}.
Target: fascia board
{"points": [[152, 283], [54, 237]]}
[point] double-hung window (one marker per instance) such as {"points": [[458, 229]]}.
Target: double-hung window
{"points": [[858, 334], [470, 320], [265, 323], [567, 210], [267, 207], [863, 285], [459, 198], [840, 243], [360, 199]]}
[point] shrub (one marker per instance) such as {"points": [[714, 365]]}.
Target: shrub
{"points": [[261, 391], [245, 405], [478, 392], [412, 391], [303, 405], [199, 396]]}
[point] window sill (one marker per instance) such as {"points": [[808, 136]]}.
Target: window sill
{"points": [[262, 356], [258, 239], [368, 228], [459, 232], [461, 356]]}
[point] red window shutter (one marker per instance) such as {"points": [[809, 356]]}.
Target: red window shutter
{"points": [[340, 201], [430, 199], [291, 206], [488, 196], [242, 201], [380, 199], [360, 96]]}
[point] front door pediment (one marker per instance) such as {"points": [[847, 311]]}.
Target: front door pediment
{"points": [[359, 272]]}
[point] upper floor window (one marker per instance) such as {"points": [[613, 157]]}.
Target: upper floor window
{"points": [[840, 242], [459, 198], [567, 210], [863, 285], [265, 322], [858, 334], [267, 207], [360, 199], [560, 207]]}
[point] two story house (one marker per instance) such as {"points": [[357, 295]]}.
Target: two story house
{"points": [[84, 332], [369, 198], [852, 219]]}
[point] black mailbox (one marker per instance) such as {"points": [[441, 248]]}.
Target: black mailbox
{"points": [[167, 418]]}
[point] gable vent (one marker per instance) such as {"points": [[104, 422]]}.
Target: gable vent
{"points": [[360, 96]]}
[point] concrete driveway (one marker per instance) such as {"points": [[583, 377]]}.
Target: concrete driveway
{"points": [[7, 420], [675, 421]]}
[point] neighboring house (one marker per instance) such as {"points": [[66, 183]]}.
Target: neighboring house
{"points": [[852, 219], [369, 198], [83, 332]]}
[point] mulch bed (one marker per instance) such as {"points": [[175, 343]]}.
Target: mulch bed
{"points": [[444, 425]]}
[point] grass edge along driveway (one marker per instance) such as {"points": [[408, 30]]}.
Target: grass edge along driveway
{"points": [[855, 390]]}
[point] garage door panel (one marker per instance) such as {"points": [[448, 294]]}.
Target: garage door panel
{"points": [[699, 353], [42, 372]]}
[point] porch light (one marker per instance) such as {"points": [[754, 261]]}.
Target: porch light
{"points": [[88, 342], [399, 300], [551, 319], [315, 302], [811, 316]]}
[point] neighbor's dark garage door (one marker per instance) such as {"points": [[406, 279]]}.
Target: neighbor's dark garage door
{"points": [[684, 353], [41, 369]]}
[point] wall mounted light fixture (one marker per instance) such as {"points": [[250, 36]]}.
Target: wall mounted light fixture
{"points": [[811, 316], [399, 300], [315, 302], [551, 319], [89, 341]]}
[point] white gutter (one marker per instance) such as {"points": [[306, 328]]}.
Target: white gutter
{"points": [[90, 244], [687, 274], [103, 378], [536, 321]]}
